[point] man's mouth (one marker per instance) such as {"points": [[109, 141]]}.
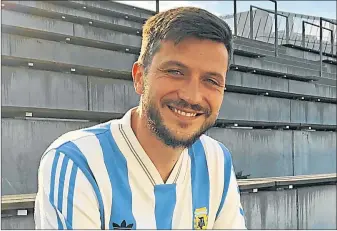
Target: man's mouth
{"points": [[183, 112]]}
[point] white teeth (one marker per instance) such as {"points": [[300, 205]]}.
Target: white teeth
{"points": [[184, 113]]}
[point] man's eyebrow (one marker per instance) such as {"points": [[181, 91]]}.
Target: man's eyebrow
{"points": [[173, 63]]}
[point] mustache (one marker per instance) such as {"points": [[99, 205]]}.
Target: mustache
{"points": [[183, 104]]}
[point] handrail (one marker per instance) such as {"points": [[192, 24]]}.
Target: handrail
{"points": [[325, 28], [275, 21], [272, 12], [157, 6], [321, 19], [235, 20]]}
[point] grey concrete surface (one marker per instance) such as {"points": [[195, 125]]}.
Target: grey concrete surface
{"points": [[51, 27], [327, 81], [270, 210], [274, 66], [306, 63], [257, 81], [317, 207], [112, 95], [25, 47], [257, 44], [306, 55], [249, 80], [312, 89], [103, 35], [23, 143], [118, 7], [287, 60], [260, 153], [314, 152], [28, 21], [56, 11], [237, 106], [45, 89], [312, 112], [18, 222], [329, 67]]}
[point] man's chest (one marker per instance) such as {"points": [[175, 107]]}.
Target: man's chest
{"points": [[140, 205]]}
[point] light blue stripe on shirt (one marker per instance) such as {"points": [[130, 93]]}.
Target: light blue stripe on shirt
{"points": [[52, 187], [116, 165], [61, 183], [227, 172], [165, 201], [200, 179], [71, 189], [73, 152]]}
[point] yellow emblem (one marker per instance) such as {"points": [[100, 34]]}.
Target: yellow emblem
{"points": [[200, 218]]}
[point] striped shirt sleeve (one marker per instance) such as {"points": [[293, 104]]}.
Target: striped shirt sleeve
{"points": [[65, 198], [230, 214]]}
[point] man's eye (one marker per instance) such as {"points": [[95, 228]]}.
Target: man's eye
{"points": [[174, 72], [212, 81]]}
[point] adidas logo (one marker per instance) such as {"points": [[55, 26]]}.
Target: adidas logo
{"points": [[122, 226]]}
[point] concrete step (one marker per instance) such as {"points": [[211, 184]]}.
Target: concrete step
{"points": [[109, 8], [296, 88], [80, 34], [56, 52], [275, 147], [260, 145], [283, 69], [47, 89], [38, 113], [116, 96], [269, 55], [61, 31], [313, 65], [21, 160], [21, 47], [281, 49], [80, 16], [256, 43]]}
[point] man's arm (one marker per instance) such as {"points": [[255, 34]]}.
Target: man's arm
{"points": [[231, 216], [65, 198]]}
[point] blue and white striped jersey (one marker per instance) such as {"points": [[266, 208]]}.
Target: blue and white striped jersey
{"points": [[101, 178]]}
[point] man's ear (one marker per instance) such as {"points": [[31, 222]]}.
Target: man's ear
{"points": [[138, 75]]}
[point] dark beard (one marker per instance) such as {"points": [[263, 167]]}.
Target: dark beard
{"points": [[156, 125]]}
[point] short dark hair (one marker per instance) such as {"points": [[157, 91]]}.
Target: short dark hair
{"points": [[181, 23]]}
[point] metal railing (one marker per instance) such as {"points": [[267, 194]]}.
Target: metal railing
{"points": [[315, 25], [251, 21], [293, 34], [321, 19], [276, 27], [157, 6]]}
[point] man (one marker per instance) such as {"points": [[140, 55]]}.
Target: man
{"points": [[154, 168]]}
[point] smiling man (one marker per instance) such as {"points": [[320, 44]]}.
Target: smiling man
{"points": [[154, 168]]}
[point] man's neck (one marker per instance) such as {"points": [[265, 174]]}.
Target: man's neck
{"points": [[162, 156]]}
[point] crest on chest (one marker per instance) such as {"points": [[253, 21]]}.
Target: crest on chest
{"points": [[200, 218]]}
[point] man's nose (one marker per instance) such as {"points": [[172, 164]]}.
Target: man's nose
{"points": [[191, 91]]}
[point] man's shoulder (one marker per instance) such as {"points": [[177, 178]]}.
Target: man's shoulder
{"points": [[86, 133], [215, 145]]}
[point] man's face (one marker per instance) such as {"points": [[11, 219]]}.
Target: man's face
{"points": [[182, 90]]}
